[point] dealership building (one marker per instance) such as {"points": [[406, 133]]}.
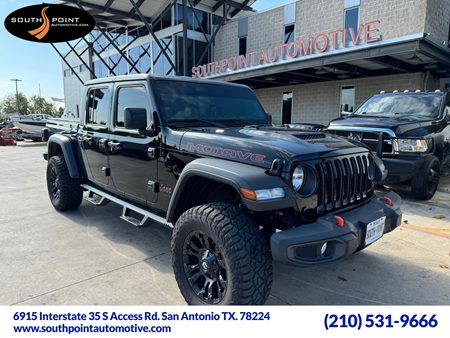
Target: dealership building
{"points": [[306, 60]]}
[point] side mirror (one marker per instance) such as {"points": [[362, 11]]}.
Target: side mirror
{"points": [[45, 134], [135, 118]]}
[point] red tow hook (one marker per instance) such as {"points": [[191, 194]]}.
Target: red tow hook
{"points": [[388, 201], [340, 221]]}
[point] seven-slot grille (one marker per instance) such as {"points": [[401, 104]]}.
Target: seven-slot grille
{"points": [[342, 181]]}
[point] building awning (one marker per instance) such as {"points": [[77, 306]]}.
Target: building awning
{"points": [[409, 54], [114, 13]]}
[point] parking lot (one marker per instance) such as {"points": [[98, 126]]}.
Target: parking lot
{"points": [[89, 256]]}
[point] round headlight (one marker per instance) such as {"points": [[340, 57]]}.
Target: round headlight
{"points": [[304, 180], [297, 178]]}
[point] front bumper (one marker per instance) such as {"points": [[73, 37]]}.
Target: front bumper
{"points": [[402, 168], [302, 245]]}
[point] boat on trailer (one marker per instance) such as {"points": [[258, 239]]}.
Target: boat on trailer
{"points": [[31, 125]]}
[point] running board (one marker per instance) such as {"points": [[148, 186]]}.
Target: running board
{"points": [[96, 201], [132, 220], [127, 207]]}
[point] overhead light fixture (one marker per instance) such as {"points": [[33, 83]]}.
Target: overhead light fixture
{"points": [[343, 76], [321, 71], [270, 78], [431, 66], [414, 59]]}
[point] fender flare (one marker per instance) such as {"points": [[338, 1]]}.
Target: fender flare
{"points": [[65, 144], [236, 175]]}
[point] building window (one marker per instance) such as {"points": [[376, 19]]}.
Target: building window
{"points": [[289, 33], [286, 113], [98, 106], [179, 16], [351, 20], [348, 99], [242, 35], [83, 68], [67, 72], [243, 45], [145, 62], [100, 69], [201, 21], [448, 40], [166, 20], [99, 41], [161, 66]]}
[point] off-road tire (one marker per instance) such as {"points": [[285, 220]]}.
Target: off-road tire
{"points": [[70, 192], [426, 178], [246, 254]]}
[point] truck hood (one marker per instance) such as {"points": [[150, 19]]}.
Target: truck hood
{"points": [[405, 127], [260, 146]]}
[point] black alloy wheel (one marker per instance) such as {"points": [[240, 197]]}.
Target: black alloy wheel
{"points": [[433, 179], [220, 257], [204, 267], [64, 191], [54, 182], [426, 177]]}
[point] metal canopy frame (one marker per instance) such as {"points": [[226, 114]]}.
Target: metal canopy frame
{"points": [[109, 19]]}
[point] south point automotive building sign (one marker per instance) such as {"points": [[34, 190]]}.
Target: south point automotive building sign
{"points": [[319, 44]]}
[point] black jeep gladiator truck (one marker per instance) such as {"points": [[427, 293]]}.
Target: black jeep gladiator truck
{"points": [[409, 131], [203, 158]]}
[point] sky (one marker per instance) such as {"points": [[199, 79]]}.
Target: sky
{"points": [[37, 63]]}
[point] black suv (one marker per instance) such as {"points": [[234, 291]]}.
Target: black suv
{"points": [[410, 131], [203, 158]]}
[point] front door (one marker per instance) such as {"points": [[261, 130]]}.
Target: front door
{"points": [[132, 155], [93, 134]]}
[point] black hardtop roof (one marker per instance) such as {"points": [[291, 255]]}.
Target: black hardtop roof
{"points": [[149, 77]]}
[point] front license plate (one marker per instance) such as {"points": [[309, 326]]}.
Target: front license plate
{"points": [[375, 230]]}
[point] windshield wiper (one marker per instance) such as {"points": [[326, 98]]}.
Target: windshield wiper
{"points": [[211, 123], [375, 114]]}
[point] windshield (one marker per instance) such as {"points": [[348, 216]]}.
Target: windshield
{"points": [[207, 104], [422, 106]]}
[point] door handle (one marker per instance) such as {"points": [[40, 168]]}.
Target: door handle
{"points": [[103, 143], [114, 145]]}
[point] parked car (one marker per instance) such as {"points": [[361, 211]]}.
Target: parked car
{"points": [[203, 158], [410, 131]]}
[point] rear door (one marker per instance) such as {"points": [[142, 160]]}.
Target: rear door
{"points": [[94, 133], [132, 155]]}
